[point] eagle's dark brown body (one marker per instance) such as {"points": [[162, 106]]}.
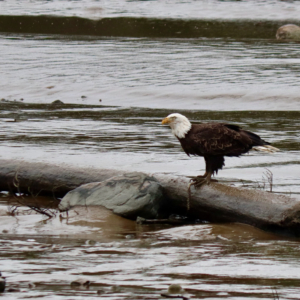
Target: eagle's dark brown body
{"points": [[213, 141]]}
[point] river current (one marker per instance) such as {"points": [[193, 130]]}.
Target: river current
{"points": [[194, 74], [190, 9], [116, 91]]}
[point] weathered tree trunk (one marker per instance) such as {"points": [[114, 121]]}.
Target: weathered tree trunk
{"points": [[42, 178], [219, 202], [214, 202]]}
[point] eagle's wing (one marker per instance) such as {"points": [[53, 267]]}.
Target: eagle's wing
{"points": [[220, 139]]}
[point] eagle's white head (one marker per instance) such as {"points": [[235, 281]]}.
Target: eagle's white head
{"points": [[179, 124]]}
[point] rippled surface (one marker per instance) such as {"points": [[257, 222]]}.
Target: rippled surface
{"points": [[192, 9], [134, 139], [251, 83], [125, 261], [196, 74]]}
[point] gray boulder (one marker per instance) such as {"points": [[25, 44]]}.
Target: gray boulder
{"points": [[130, 195], [289, 32]]}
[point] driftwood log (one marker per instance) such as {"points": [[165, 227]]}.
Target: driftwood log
{"points": [[215, 202]]}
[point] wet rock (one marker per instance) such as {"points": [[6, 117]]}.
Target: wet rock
{"points": [[130, 195], [90, 243], [288, 32], [175, 291], [31, 285], [100, 292], [130, 236], [2, 283], [57, 102], [83, 97], [80, 282]]}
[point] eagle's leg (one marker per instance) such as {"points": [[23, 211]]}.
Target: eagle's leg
{"points": [[212, 165], [200, 177], [193, 178]]}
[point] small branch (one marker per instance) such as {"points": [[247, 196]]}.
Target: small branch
{"points": [[20, 199], [43, 211], [268, 176]]}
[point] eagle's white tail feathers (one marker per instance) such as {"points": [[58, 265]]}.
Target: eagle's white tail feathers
{"points": [[266, 148]]}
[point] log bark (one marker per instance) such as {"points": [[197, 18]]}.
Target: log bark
{"points": [[215, 202], [219, 202], [42, 178]]}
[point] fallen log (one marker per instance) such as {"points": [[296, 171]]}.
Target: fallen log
{"points": [[220, 202], [215, 202], [41, 178]]}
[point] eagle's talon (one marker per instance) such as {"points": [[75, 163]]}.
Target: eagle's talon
{"points": [[198, 178]]}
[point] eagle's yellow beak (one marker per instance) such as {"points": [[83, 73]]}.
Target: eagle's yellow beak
{"points": [[165, 121]]}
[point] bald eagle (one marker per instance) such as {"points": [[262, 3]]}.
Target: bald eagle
{"points": [[213, 141]]}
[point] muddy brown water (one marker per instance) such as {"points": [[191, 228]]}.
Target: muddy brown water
{"points": [[124, 260]]}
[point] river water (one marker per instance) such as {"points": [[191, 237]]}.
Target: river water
{"points": [[189, 9], [198, 74], [116, 90]]}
